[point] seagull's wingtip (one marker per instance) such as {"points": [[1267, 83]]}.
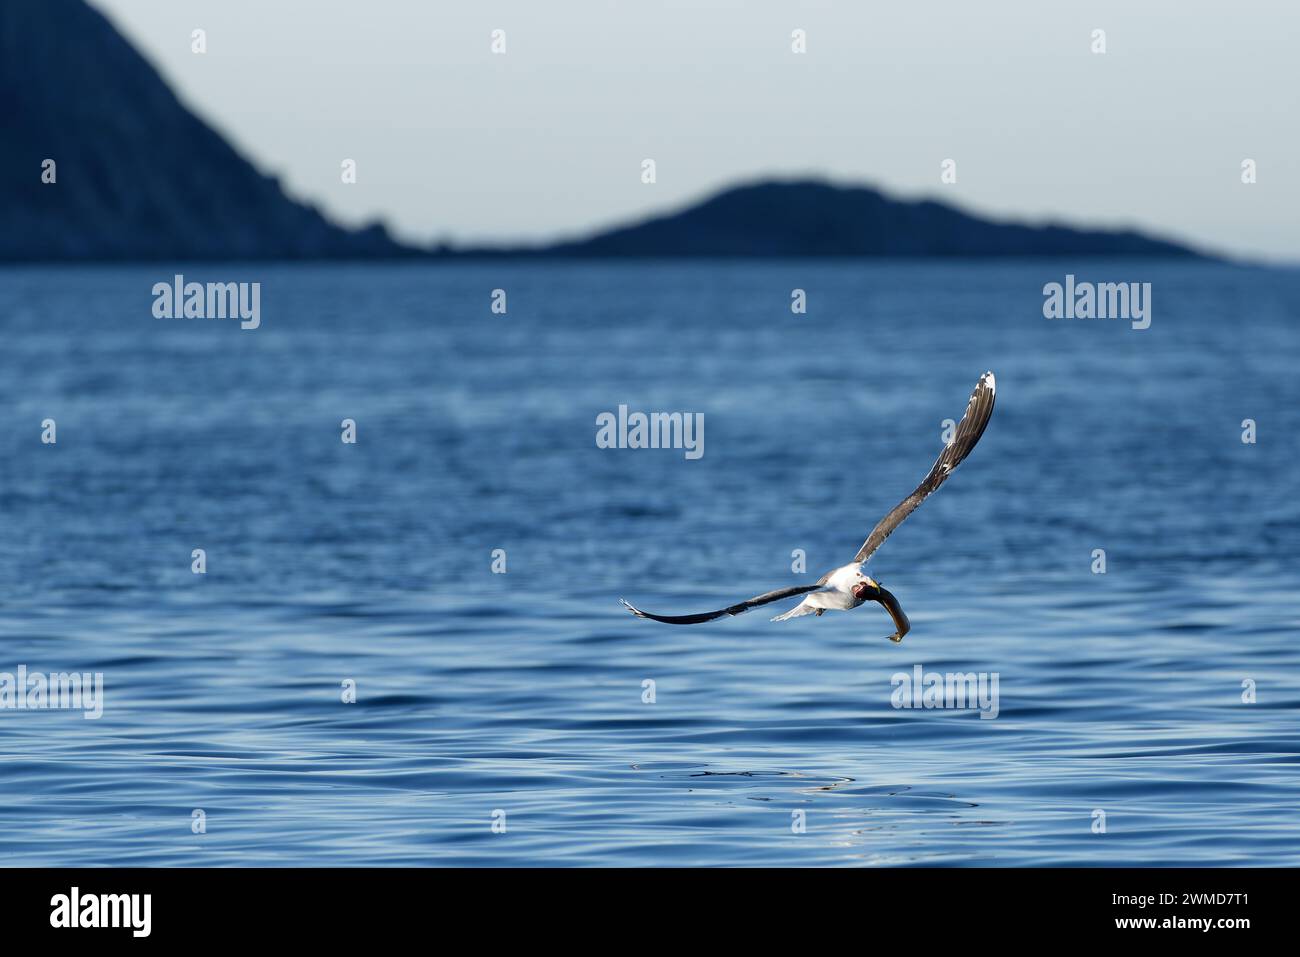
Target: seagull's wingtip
{"points": [[991, 380]]}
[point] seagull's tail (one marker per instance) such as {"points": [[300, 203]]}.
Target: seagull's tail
{"points": [[803, 608]]}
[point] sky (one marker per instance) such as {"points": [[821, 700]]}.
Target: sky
{"points": [[455, 142]]}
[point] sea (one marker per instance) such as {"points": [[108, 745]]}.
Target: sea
{"points": [[408, 649]]}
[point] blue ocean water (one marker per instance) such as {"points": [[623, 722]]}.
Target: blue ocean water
{"points": [[523, 692]]}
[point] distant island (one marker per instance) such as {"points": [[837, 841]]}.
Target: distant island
{"points": [[138, 177], [800, 218]]}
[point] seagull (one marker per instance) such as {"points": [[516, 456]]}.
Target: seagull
{"points": [[846, 587]]}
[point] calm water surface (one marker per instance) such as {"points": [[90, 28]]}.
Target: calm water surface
{"points": [[522, 692]]}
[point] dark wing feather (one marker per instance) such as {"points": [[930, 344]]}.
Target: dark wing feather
{"points": [[739, 609], [969, 430]]}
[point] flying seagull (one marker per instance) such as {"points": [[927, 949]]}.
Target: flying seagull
{"points": [[847, 587]]}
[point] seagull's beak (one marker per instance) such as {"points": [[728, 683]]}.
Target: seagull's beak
{"points": [[876, 593]]}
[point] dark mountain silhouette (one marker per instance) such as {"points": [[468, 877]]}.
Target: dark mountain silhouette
{"points": [[813, 218], [140, 177]]}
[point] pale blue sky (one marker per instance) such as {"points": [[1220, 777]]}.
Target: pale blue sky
{"points": [[453, 141]]}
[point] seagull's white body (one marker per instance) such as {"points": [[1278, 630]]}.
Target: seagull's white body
{"points": [[837, 595]]}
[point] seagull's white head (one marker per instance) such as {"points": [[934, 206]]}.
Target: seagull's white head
{"points": [[864, 588], [851, 579]]}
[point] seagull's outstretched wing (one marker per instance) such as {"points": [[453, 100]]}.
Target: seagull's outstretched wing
{"points": [[739, 609], [969, 430]]}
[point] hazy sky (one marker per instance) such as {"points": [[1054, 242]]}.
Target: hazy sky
{"points": [[547, 139]]}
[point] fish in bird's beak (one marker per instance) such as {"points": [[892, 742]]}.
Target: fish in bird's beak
{"points": [[872, 591]]}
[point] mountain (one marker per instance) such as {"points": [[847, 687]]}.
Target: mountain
{"points": [[814, 218], [138, 176]]}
